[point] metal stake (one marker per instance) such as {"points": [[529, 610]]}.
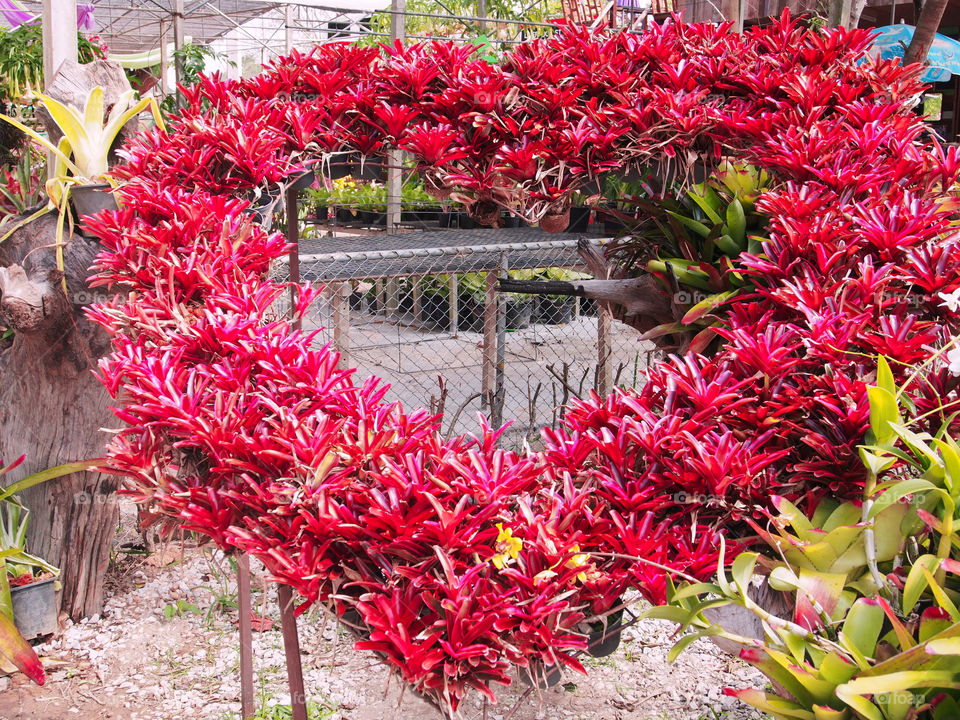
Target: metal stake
{"points": [[291, 648]]}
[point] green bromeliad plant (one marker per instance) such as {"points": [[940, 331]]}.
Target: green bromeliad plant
{"points": [[693, 238], [874, 585]]}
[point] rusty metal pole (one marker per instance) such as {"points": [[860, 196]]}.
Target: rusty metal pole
{"points": [[291, 649], [246, 636], [293, 238]]}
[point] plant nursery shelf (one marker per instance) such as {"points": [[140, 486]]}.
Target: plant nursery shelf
{"points": [[426, 253]]}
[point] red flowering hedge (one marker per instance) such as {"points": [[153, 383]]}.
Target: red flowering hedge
{"points": [[456, 559]]}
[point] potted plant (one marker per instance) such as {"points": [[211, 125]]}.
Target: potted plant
{"points": [[320, 198], [30, 580], [27, 588], [83, 151], [30, 609]]}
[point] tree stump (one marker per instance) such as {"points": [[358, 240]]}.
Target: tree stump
{"points": [[53, 409]]}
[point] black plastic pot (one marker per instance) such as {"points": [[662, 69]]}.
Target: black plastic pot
{"points": [[89, 199], [604, 638], [35, 608], [512, 221], [579, 219], [588, 307], [263, 208], [457, 220], [421, 216], [519, 313], [435, 310], [337, 168], [321, 212], [344, 215], [302, 181], [372, 217], [554, 310], [540, 675], [370, 168]]}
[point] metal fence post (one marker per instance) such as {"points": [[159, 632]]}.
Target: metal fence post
{"points": [[500, 390], [340, 310], [293, 237], [489, 373]]}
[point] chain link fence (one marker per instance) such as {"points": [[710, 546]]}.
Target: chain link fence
{"points": [[421, 310]]}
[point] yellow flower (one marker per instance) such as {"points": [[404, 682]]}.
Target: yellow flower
{"points": [[508, 547], [580, 560]]}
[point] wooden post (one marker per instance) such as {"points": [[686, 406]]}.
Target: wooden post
{"points": [[454, 302], [838, 13], [340, 309], [59, 38], [394, 158], [291, 650], [730, 9], [164, 62], [482, 14], [246, 636], [59, 32], [288, 27], [177, 44], [392, 300], [604, 367], [293, 237]]}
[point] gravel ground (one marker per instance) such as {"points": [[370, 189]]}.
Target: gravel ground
{"points": [[166, 647]]}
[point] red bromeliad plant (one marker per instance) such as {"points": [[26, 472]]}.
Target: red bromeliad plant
{"points": [[453, 559]]}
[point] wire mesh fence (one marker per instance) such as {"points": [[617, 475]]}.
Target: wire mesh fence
{"points": [[421, 310]]}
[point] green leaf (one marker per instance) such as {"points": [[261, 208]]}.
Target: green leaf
{"points": [[895, 682], [892, 492], [686, 640], [942, 599], [706, 306], [737, 222], [951, 464], [876, 464], [698, 227], [883, 412], [708, 201], [944, 646], [916, 581], [861, 630], [773, 705], [837, 669], [49, 474], [885, 376], [728, 245]]}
